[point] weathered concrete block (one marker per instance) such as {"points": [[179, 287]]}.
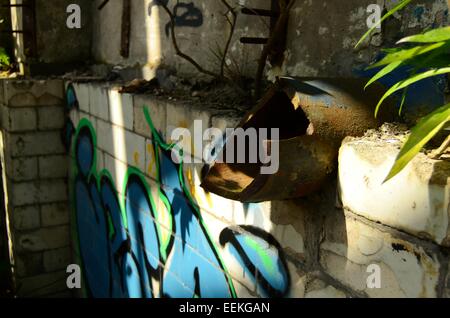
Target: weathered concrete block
{"points": [[54, 214], [51, 117], [57, 259], [46, 191], [53, 166], [23, 93], [195, 120], [38, 143], [22, 169], [299, 281], [98, 101], [105, 136], [26, 218], [121, 108], [29, 264], [135, 150], [351, 246], [287, 219], [118, 170], [4, 117], [42, 285], [44, 239], [2, 91], [82, 92], [289, 239], [415, 201], [326, 292], [122, 144], [157, 111], [22, 119]]}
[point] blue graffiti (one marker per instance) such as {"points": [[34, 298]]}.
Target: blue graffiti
{"points": [[121, 243]]}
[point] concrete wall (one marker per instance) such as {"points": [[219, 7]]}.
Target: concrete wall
{"points": [[130, 202], [151, 44], [57, 49], [34, 165], [56, 43], [321, 34], [321, 39], [318, 246]]}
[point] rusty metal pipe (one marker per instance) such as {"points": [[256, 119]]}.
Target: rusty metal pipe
{"points": [[314, 115]]}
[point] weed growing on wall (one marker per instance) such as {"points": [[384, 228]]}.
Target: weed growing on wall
{"points": [[427, 55]]}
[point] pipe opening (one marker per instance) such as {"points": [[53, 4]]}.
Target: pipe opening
{"points": [[276, 112]]}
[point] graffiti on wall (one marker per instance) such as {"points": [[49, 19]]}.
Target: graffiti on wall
{"points": [[149, 239], [185, 14]]}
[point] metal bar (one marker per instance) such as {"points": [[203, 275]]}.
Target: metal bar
{"points": [[260, 12], [14, 31], [29, 26], [247, 40], [126, 29], [102, 4], [15, 5]]}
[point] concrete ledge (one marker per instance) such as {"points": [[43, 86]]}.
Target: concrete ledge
{"points": [[416, 201]]}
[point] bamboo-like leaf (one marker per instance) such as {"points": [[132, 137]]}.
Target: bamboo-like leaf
{"points": [[433, 36], [407, 54], [388, 69], [398, 7], [407, 82], [421, 134]]}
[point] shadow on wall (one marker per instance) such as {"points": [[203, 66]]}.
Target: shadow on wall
{"points": [[130, 246]]}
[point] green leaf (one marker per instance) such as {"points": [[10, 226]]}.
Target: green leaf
{"points": [[407, 82], [433, 36], [4, 58], [407, 54], [388, 69], [398, 7], [421, 134]]}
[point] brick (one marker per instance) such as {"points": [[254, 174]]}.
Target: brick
{"points": [[2, 92], [23, 169], [157, 111], [32, 192], [42, 285], [350, 246], [98, 101], [299, 281], [118, 170], [121, 109], [51, 117], [182, 116], [122, 144], [29, 264], [53, 166], [54, 214], [414, 201], [4, 117], [105, 136], [57, 259], [289, 239], [22, 119], [135, 150], [39, 143], [82, 92], [26, 218], [44, 239], [25, 93]]}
